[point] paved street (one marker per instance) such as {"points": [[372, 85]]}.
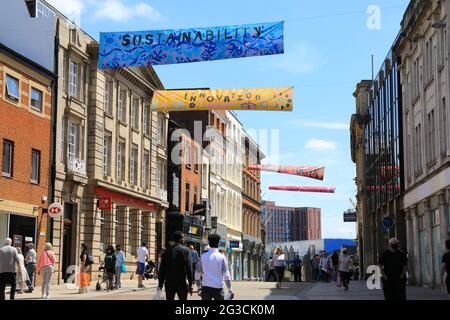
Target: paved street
{"points": [[246, 291]]}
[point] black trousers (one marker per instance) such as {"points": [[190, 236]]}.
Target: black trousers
{"points": [[394, 289], [345, 278], [181, 291], [8, 277], [297, 274], [271, 274], [279, 271], [209, 293]]}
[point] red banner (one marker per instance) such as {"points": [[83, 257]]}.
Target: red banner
{"points": [[304, 171], [303, 189]]}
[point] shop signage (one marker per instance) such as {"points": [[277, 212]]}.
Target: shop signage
{"points": [[55, 210], [350, 216], [105, 203], [213, 222], [234, 244], [199, 210]]}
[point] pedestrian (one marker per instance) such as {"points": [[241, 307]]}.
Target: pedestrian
{"points": [[271, 269], [315, 267], [142, 258], [324, 266], [335, 263], [344, 268], [175, 272], [394, 264], [85, 266], [158, 260], [120, 266], [445, 268], [194, 258], [46, 266], [211, 271], [110, 266], [279, 263], [9, 260], [297, 269], [30, 265], [22, 274]]}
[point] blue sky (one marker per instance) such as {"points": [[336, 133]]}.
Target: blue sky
{"points": [[328, 46]]}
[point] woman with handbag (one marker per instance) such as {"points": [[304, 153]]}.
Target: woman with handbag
{"points": [[85, 265], [120, 266], [46, 265]]}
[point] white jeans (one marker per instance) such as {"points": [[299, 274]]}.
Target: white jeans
{"points": [[47, 274]]}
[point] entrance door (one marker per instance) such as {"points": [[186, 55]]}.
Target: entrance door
{"points": [[436, 237], [67, 258], [22, 229]]}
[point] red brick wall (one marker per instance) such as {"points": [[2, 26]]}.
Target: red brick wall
{"points": [[28, 131], [189, 175]]}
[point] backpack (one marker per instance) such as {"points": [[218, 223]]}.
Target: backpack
{"points": [[110, 261], [89, 260]]}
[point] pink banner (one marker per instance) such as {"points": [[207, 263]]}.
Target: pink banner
{"points": [[303, 189], [304, 171]]}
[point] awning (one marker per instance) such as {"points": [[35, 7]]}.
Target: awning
{"points": [[123, 199]]}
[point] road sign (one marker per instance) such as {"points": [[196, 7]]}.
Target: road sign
{"points": [[55, 210], [388, 222], [350, 216]]}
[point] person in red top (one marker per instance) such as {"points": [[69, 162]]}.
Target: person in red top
{"points": [[46, 265]]}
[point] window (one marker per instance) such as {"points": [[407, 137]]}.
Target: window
{"points": [[418, 149], [187, 206], [7, 158], [431, 154], [107, 142], [187, 155], [122, 107], [12, 88], [107, 105], [63, 136], [64, 67], [444, 128], [42, 10], [441, 50], [145, 119], [160, 174], [133, 164], [196, 199], [74, 78], [36, 99], [145, 169], [196, 162], [120, 170], [134, 113], [73, 139], [205, 176], [35, 165], [161, 133]]}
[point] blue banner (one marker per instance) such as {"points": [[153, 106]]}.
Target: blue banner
{"points": [[144, 48]]}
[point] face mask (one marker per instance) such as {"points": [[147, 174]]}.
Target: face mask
{"points": [[395, 246], [344, 252]]}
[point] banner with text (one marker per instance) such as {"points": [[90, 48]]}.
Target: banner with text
{"points": [[270, 99], [145, 48]]}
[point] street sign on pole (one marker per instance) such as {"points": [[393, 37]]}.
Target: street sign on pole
{"points": [[388, 222], [55, 210]]}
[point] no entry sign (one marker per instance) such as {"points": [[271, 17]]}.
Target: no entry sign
{"points": [[55, 210]]}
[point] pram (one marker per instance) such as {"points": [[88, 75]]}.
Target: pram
{"points": [[101, 279], [150, 271]]}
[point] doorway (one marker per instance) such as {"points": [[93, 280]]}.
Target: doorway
{"points": [[22, 230], [68, 236]]}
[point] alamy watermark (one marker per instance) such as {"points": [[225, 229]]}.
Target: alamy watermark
{"points": [[374, 19]]}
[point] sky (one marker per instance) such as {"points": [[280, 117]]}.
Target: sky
{"points": [[328, 48]]}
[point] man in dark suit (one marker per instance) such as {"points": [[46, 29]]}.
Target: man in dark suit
{"points": [[175, 269]]}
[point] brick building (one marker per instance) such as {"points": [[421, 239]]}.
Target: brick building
{"points": [[25, 124], [184, 180], [305, 224]]}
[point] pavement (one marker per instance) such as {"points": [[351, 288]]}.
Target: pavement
{"points": [[247, 290]]}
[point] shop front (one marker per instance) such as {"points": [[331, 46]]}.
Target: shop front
{"points": [[193, 231]]}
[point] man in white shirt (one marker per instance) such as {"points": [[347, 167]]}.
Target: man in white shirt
{"points": [[142, 258], [214, 267]]}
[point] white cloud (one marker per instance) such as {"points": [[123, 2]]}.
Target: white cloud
{"points": [[320, 145], [323, 125], [72, 9], [116, 10], [301, 59]]}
